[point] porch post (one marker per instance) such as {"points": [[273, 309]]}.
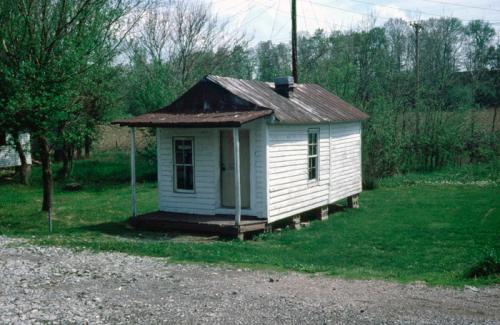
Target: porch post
{"points": [[237, 187], [132, 170]]}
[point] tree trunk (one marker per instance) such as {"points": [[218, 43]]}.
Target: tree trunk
{"points": [[65, 169], [88, 146], [67, 158], [48, 182], [25, 168], [79, 152], [494, 119]]}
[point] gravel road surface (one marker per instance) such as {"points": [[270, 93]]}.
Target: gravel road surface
{"points": [[57, 285]]}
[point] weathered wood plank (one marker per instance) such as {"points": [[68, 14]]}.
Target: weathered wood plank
{"points": [[196, 223]]}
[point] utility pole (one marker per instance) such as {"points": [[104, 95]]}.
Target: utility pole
{"points": [[294, 41], [417, 27]]}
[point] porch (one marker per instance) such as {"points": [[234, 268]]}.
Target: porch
{"points": [[219, 224], [209, 180]]}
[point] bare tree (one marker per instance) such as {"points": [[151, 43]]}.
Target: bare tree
{"points": [[176, 44]]}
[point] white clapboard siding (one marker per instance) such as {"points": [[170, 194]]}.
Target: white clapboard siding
{"points": [[206, 199], [290, 191], [346, 160], [279, 182], [8, 154], [203, 200], [257, 134]]}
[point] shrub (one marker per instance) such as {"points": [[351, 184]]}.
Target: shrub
{"points": [[489, 265]]}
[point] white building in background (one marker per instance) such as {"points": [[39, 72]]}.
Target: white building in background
{"points": [[8, 153]]}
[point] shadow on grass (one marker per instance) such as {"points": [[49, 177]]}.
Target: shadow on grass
{"points": [[125, 230]]}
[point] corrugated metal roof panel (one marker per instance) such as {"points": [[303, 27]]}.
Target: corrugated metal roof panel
{"points": [[308, 103]]}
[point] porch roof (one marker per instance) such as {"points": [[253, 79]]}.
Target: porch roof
{"points": [[213, 119]]}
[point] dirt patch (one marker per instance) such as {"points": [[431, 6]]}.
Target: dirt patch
{"points": [[47, 284], [114, 137]]}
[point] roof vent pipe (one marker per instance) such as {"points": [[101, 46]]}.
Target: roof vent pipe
{"points": [[283, 85]]}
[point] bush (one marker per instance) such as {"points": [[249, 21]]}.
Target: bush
{"points": [[489, 265], [111, 167], [369, 183], [482, 146], [148, 153]]}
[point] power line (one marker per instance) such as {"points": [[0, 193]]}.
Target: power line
{"points": [[342, 9], [283, 26], [287, 13], [274, 20], [314, 11], [407, 10], [376, 16], [256, 16], [304, 20], [248, 20], [461, 5], [369, 15], [244, 10], [396, 8]]}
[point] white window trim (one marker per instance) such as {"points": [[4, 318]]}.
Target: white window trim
{"points": [[174, 165], [317, 132]]}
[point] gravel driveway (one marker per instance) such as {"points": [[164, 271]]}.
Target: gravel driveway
{"points": [[47, 284]]}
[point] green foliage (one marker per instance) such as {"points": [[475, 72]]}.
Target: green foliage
{"points": [[150, 86], [112, 168], [54, 53], [488, 266], [272, 60], [433, 231], [370, 67], [410, 129], [472, 174], [59, 79], [106, 169], [51, 47], [148, 153]]}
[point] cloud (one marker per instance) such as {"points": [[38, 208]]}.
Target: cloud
{"points": [[389, 12]]}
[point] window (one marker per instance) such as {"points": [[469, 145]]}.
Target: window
{"points": [[183, 165], [312, 153]]}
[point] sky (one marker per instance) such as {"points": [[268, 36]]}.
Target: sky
{"points": [[264, 20]]}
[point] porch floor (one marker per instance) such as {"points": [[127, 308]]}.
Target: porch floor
{"points": [[219, 224]]}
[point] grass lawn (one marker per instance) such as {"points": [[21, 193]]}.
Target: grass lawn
{"points": [[431, 228]]}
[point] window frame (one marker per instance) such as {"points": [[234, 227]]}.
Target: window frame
{"points": [[175, 164], [315, 131]]}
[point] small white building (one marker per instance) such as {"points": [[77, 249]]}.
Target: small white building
{"points": [[243, 154], [8, 154]]}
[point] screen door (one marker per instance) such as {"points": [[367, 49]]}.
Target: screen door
{"points": [[227, 168]]}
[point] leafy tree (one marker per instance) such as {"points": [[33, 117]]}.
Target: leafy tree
{"points": [[272, 60], [48, 47]]}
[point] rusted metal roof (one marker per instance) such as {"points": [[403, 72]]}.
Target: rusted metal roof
{"points": [[221, 101], [216, 119], [307, 103]]}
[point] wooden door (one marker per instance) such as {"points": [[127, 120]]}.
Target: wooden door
{"points": [[227, 168]]}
